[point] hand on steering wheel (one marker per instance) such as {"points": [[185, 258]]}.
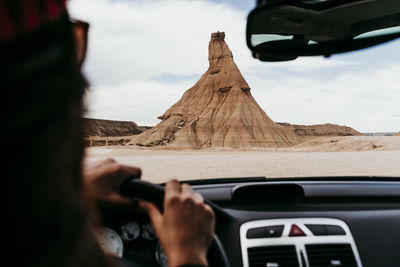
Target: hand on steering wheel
{"points": [[183, 222], [102, 180], [185, 229]]}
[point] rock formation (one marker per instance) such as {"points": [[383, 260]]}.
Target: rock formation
{"points": [[103, 128], [218, 111], [306, 132]]}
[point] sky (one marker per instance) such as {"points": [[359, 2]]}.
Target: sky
{"points": [[144, 54]]}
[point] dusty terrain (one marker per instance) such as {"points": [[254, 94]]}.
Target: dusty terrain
{"points": [[348, 156], [356, 143]]}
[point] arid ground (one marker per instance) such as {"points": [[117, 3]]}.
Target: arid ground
{"points": [[327, 156]]}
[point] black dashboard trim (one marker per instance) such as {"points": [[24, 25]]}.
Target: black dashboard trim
{"points": [[371, 208]]}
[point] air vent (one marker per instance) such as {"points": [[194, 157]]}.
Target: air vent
{"points": [[322, 242], [273, 256], [322, 255]]}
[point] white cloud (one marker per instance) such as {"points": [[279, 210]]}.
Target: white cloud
{"points": [[123, 103], [134, 42], [365, 100]]}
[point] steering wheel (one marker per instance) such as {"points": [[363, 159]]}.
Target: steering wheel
{"points": [[154, 193]]}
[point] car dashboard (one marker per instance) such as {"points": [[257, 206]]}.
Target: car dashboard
{"points": [[344, 221]]}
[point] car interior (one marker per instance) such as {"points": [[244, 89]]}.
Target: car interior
{"points": [[278, 222], [336, 221]]}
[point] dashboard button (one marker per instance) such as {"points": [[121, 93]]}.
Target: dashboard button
{"points": [[274, 231], [334, 230], [256, 233], [317, 229], [325, 229], [265, 232], [296, 231]]}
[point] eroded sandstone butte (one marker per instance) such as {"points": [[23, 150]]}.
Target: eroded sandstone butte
{"points": [[307, 132], [103, 128], [218, 111]]}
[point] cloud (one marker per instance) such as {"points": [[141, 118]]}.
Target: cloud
{"points": [[140, 40], [365, 100], [124, 103], [143, 55]]}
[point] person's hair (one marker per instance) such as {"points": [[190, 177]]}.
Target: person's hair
{"points": [[41, 107]]}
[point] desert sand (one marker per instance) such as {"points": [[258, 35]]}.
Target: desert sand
{"points": [[353, 143], [326, 156]]}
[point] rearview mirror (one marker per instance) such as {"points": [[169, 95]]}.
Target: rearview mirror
{"points": [[281, 30]]}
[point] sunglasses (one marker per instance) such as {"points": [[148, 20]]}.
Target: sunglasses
{"points": [[80, 31]]}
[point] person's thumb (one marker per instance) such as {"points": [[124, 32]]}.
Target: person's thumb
{"points": [[153, 212]]}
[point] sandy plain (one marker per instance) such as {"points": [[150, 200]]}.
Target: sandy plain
{"points": [[333, 156]]}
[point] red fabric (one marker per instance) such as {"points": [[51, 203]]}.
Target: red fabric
{"points": [[30, 15], [54, 8], [6, 26]]}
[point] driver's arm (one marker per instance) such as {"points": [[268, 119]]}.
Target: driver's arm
{"points": [[186, 226]]}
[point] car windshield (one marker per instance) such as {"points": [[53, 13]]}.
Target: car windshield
{"points": [[174, 90]]}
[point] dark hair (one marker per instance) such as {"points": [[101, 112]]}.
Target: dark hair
{"points": [[41, 108]]}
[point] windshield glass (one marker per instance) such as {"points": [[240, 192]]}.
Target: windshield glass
{"points": [[174, 90]]}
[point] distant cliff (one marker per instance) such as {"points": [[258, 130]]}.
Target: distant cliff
{"points": [[103, 128], [310, 131]]}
